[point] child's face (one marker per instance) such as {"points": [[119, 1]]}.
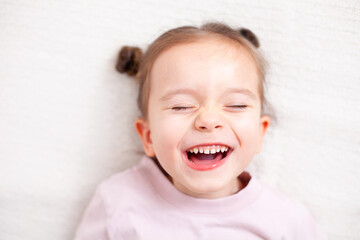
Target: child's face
{"points": [[204, 95]]}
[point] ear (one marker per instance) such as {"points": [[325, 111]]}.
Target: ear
{"points": [[264, 124], [143, 130]]}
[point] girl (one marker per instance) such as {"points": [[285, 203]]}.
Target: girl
{"points": [[201, 96]]}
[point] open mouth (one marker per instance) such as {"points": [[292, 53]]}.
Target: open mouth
{"points": [[207, 157]]}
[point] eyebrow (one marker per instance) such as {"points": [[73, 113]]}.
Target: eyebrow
{"points": [[184, 91], [189, 91], [244, 91]]}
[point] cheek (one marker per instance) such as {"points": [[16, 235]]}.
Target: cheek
{"points": [[167, 134], [247, 130]]}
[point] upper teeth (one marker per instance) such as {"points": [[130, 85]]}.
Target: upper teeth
{"points": [[208, 149]]}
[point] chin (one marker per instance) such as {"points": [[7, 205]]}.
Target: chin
{"points": [[206, 188]]}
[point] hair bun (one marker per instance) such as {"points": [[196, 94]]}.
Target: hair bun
{"points": [[129, 60], [250, 36]]}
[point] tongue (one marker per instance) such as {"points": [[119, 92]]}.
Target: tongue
{"points": [[205, 159]]}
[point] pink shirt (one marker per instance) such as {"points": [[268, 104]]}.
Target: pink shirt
{"points": [[141, 203]]}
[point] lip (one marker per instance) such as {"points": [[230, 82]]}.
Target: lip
{"points": [[210, 166]]}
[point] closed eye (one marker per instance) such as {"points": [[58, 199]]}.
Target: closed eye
{"points": [[238, 107], [180, 108]]}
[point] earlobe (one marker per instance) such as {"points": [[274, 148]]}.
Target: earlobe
{"points": [[264, 124], [143, 130]]}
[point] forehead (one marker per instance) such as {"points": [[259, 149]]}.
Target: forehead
{"points": [[207, 61]]}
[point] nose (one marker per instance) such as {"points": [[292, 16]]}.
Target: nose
{"points": [[208, 121]]}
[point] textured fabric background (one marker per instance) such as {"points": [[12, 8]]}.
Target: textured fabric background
{"points": [[66, 117]]}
